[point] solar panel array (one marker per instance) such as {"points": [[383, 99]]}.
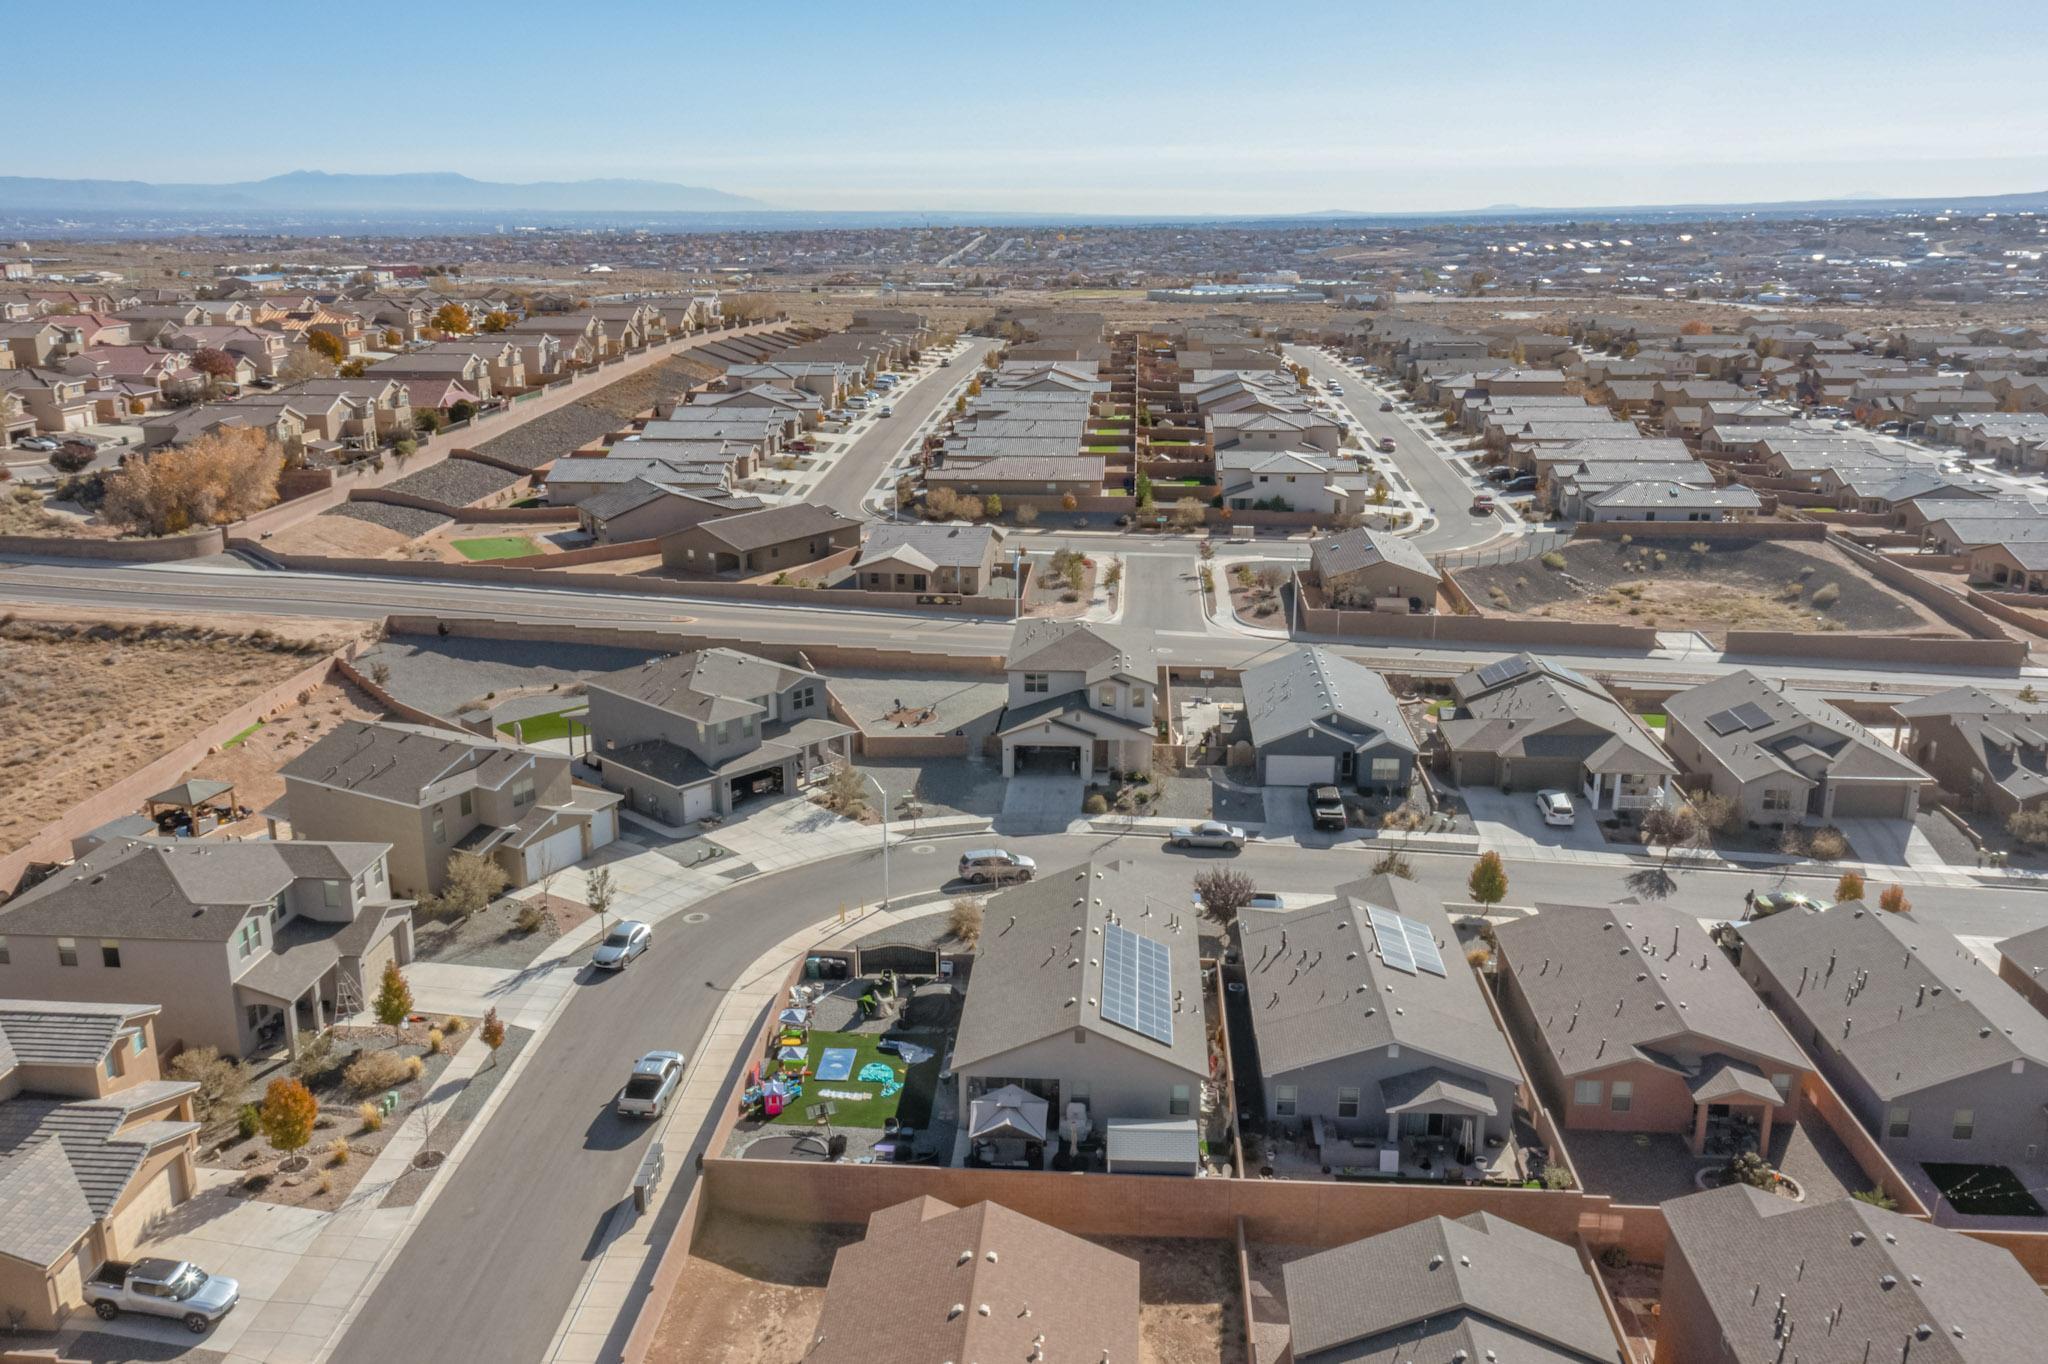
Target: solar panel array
{"points": [[1745, 717], [1493, 674], [1137, 983], [1405, 944]]}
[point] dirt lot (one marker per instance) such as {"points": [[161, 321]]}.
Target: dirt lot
{"points": [[339, 537], [750, 1294], [1768, 585], [1188, 1306], [88, 703], [252, 765]]}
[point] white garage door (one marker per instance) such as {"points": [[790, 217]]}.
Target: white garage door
{"points": [[556, 851], [386, 950], [152, 1200], [1285, 770], [697, 803], [604, 827]]}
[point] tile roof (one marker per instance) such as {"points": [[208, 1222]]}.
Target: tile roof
{"points": [[1607, 984], [36, 1032], [1866, 1282], [933, 1282], [1477, 1287], [64, 1163]]}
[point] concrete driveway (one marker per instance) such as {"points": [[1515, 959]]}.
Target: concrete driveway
{"points": [[1040, 803], [1507, 822], [1890, 842]]}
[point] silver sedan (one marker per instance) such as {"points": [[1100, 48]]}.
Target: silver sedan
{"points": [[1209, 834]]}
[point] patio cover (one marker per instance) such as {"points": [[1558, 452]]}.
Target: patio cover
{"points": [[1434, 1089], [187, 794], [1723, 1079], [1011, 1112]]}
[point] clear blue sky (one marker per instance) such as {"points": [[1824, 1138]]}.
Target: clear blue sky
{"points": [[1051, 106]]}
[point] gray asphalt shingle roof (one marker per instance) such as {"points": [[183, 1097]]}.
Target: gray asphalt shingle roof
{"points": [[706, 685], [1477, 1287], [1799, 725], [1351, 550], [1078, 646], [1311, 686], [400, 762]]}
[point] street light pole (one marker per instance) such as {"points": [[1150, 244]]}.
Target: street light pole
{"points": [[883, 797]]}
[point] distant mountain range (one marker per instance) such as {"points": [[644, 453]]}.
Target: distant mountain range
{"points": [[428, 192]]}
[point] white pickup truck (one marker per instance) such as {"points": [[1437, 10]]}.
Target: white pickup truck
{"points": [[162, 1288]]}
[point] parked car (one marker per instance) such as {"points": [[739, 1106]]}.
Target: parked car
{"points": [[655, 1077], [1520, 483], [627, 940], [1326, 808], [1843, 425], [1556, 808], [888, 410], [1482, 505], [1209, 834], [38, 443], [1336, 388], [945, 364], [1386, 445], [1762, 906], [1386, 407], [177, 1289], [985, 865], [1499, 473], [1264, 899]]}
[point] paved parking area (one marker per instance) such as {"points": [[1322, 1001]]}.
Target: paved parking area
{"points": [[1507, 822]]}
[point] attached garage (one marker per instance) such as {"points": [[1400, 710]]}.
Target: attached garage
{"points": [[1874, 800], [1285, 769], [563, 848], [1057, 758], [165, 1191], [379, 955], [604, 828], [698, 801]]}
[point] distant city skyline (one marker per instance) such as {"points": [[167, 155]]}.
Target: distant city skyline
{"points": [[1183, 110]]}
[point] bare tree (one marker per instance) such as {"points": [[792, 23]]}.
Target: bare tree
{"points": [[1223, 891]]}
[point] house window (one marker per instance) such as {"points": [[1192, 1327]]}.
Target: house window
{"points": [[1386, 771], [330, 894], [1107, 696], [6, 957], [468, 803], [67, 951], [522, 792], [747, 727], [140, 1043], [1037, 683], [1285, 1100], [1177, 1106], [1621, 1095], [802, 698], [1783, 1084], [440, 826], [1965, 1125], [1347, 1103], [250, 938], [111, 1067], [1898, 1123], [110, 954], [1777, 800], [1586, 1093], [1138, 697]]}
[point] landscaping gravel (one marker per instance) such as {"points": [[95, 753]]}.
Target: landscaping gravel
{"points": [[412, 521], [457, 482], [454, 1117], [551, 436], [445, 675]]}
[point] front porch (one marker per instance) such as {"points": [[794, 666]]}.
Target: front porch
{"points": [[1624, 791]]}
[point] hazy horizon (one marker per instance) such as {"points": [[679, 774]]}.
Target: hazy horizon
{"points": [[1075, 109]]}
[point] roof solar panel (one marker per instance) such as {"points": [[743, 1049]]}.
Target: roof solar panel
{"points": [[1752, 716], [1137, 983], [1723, 722], [1422, 947], [1388, 928]]}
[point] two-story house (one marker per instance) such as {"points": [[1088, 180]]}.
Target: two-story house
{"points": [[247, 945], [94, 1146], [696, 734], [430, 793], [1083, 699]]}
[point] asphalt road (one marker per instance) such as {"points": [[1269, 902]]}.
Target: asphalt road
{"points": [[492, 1270], [846, 484], [1438, 484]]}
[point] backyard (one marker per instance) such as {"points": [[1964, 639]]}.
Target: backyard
{"points": [[496, 547], [1982, 1190], [1708, 588], [549, 724], [905, 1096]]}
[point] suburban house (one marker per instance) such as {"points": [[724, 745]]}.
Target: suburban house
{"points": [[1476, 1287], [1087, 993], [910, 557], [1038, 1293], [771, 540], [248, 945], [1989, 754], [1372, 571], [1670, 500], [1371, 1031], [94, 1146], [646, 508], [2022, 960], [693, 735], [1936, 1056], [1751, 1276], [1787, 757], [1317, 717], [1083, 699], [430, 793], [1289, 481], [1043, 480], [1527, 724], [1632, 1020]]}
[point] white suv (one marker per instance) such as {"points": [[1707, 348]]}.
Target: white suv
{"points": [[1556, 808]]}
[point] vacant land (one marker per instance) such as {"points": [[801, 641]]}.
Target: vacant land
{"points": [[1680, 585], [750, 1293], [252, 760], [1188, 1305], [88, 704]]}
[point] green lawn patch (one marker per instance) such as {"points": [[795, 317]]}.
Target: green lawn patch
{"points": [[913, 1102], [1982, 1190], [554, 724], [237, 740], [496, 547], [1653, 720]]}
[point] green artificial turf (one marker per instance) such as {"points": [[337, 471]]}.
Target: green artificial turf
{"points": [[496, 547], [915, 1099], [553, 724]]}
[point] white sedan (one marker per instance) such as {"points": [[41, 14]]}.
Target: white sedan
{"points": [[1556, 808], [1209, 834]]}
